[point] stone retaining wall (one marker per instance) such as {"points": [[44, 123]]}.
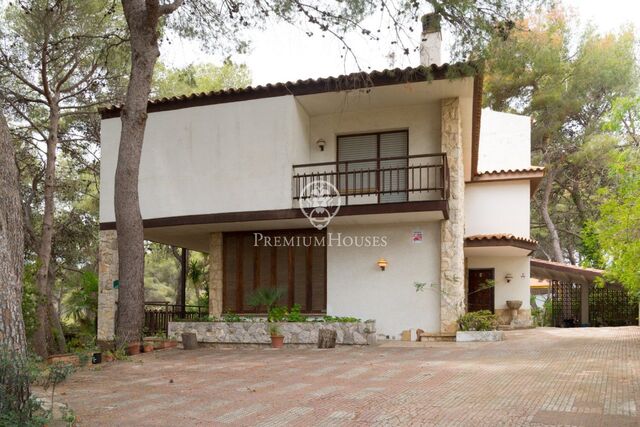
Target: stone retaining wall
{"points": [[354, 333]]}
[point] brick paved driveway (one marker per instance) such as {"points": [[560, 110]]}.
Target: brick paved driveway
{"points": [[587, 377]]}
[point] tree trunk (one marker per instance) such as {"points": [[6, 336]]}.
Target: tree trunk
{"points": [[327, 338], [142, 24], [544, 210], [12, 335], [58, 343], [43, 338]]}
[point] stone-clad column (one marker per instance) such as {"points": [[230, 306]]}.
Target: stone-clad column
{"points": [[107, 295], [215, 275], [452, 298]]}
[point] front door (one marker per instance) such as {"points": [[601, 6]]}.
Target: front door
{"points": [[481, 289]]}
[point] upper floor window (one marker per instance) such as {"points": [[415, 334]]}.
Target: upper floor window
{"points": [[374, 163]]}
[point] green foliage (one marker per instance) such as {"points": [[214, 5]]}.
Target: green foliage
{"points": [[161, 273], [81, 302], [29, 299], [590, 248], [624, 120], [277, 314], [274, 330], [20, 374], [618, 227], [265, 298], [339, 319], [294, 314], [570, 83], [228, 316], [197, 277], [482, 320], [196, 78]]}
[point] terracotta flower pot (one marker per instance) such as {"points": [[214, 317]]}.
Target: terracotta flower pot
{"points": [[107, 357], [147, 347], [277, 341], [133, 348]]}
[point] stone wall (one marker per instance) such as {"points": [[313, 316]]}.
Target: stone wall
{"points": [[354, 333], [452, 292], [524, 317], [107, 273], [215, 274]]}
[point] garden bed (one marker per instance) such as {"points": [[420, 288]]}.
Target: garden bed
{"points": [[257, 332]]}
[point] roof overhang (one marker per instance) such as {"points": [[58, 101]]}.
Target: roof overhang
{"points": [[534, 174], [498, 245], [549, 270], [354, 81], [193, 231]]}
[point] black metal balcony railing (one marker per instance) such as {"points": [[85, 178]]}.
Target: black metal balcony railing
{"points": [[383, 180]]}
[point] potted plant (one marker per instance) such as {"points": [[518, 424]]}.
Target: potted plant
{"points": [[147, 346], [277, 340], [107, 356], [133, 348]]}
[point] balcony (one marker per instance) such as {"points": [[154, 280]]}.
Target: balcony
{"points": [[385, 180]]}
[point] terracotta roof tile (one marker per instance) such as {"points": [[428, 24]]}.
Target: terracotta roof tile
{"points": [[351, 81], [503, 237], [512, 171]]}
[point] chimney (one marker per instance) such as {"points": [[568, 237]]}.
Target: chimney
{"points": [[431, 40]]}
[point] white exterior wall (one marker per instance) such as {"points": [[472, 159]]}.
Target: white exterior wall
{"points": [[497, 207], [422, 121], [505, 141], [357, 287], [517, 289], [218, 158]]}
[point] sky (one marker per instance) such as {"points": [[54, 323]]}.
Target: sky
{"points": [[284, 53]]}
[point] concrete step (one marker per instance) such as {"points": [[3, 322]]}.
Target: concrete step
{"points": [[431, 337]]}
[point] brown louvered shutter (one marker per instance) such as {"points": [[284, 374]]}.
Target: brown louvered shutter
{"points": [[300, 271], [393, 173], [353, 149]]}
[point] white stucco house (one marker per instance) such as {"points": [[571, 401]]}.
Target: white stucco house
{"points": [[428, 182]]}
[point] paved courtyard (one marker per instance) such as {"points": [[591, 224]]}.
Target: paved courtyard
{"points": [[582, 377]]}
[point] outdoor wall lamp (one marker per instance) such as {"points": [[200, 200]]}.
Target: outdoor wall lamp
{"points": [[321, 143], [508, 277], [382, 263]]}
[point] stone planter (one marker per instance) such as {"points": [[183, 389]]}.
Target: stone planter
{"points": [[257, 332], [479, 336]]}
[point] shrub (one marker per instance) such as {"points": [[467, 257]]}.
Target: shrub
{"points": [[482, 320], [265, 298], [231, 317], [278, 314], [337, 319], [294, 314]]}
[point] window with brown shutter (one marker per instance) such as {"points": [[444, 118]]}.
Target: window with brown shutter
{"points": [[374, 163], [299, 270]]}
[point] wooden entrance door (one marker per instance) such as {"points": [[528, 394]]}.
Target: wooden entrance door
{"points": [[481, 293]]}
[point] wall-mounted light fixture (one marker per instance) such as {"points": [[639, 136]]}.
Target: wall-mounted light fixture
{"points": [[321, 143], [382, 263], [508, 277]]}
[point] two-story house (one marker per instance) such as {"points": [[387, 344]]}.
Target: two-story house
{"points": [[433, 195]]}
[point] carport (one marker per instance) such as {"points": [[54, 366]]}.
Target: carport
{"points": [[579, 299]]}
